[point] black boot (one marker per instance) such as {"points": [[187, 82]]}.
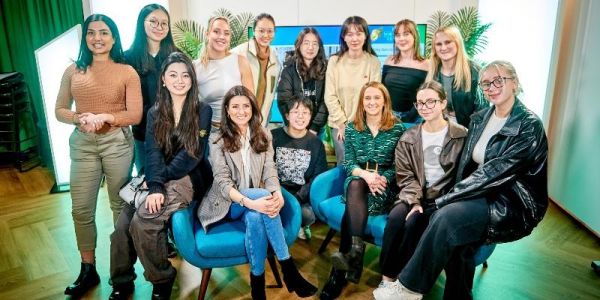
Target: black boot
{"points": [[294, 281], [355, 259], [121, 291], [88, 278], [257, 284], [334, 286], [162, 291]]}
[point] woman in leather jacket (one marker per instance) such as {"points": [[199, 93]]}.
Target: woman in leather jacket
{"points": [[426, 162], [500, 193]]}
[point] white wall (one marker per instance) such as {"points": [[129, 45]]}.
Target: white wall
{"points": [[319, 12]]}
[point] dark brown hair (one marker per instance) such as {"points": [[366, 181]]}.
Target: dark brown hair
{"points": [[185, 134], [230, 132], [318, 67], [387, 117], [361, 24]]}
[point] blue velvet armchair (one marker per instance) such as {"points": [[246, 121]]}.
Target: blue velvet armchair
{"points": [[223, 245]]}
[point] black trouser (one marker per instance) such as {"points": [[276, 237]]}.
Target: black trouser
{"points": [[400, 238], [449, 242], [356, 213]]}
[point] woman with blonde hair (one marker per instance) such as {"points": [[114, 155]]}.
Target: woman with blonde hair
{"points": [[370, 187], [450, 66], [405, 70], [218, 69]]}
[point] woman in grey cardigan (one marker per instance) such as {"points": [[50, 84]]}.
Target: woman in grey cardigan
{"points": [[246, 186]]}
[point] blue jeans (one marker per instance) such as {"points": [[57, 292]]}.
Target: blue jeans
{"points": [[261, 230]]}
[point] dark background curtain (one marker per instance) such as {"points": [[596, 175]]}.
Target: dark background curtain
{"points": [[25, 26]]}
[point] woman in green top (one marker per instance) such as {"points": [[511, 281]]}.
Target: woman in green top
{"points": [[370, 141]]}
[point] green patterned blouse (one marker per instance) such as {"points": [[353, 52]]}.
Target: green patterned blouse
{"points": [[361, 147]]}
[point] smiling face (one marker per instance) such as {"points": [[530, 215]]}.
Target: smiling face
{"points": [[99, 38], [445, 47], [355, 38], [177, 79], [219, 36], [309, 47], [239, 110], [373, 101], [264, 32], [429, 105], [404, 39], [298, 117], [156, 25], [498, 86]]}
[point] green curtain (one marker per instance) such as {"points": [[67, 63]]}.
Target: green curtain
{"points": [[25, 26]]}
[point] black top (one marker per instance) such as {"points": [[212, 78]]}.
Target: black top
{"points": [[161, 169], [402, 83], [149, 81], [298, 161]]}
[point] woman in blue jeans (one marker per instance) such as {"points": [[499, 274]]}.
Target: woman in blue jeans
{"points": [[246, 186]]}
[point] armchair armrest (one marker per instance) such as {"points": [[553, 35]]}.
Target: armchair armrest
{"points": [[291, 215], [328, 184], [182, 226]]}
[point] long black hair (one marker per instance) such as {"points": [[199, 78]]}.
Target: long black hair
{"points": [[318, 66], [361, 24], [85, 54], [185, 134], [138, 55]]}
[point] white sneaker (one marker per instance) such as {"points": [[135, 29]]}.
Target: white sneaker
{"points": [[406, 294], [301, 234], [387, 290]]}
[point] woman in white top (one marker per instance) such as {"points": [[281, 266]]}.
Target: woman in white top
{"points": [[217, 69], [347, 72], [263, 61]]}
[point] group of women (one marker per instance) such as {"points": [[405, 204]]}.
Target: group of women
{"points": [[199, 133]]}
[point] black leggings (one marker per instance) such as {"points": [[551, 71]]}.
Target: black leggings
{"points": [[356, 213], [400, 239]]}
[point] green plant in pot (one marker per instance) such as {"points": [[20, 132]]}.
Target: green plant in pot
{"points": [[189, 35], [468, 23]]}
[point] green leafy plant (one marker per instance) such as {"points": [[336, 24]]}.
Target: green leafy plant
{"points": [[468, 23], [189, 36]]}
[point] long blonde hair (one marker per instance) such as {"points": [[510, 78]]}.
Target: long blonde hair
{"points": [[204, 51], [462, 71]]}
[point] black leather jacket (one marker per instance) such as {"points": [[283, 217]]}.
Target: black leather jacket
{"points": [[513, 178]]}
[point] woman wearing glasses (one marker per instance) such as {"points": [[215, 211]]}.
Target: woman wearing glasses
{"points": [[151, 46], [218, 70], [264, 63], [355, 65], [450, 66], [370, 187], [500, 193], [426, 161]]}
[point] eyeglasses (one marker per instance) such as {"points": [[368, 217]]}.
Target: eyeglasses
{"points": [[298, 113], [263, 31], [429, 103], [498, 82], [155, 24]]}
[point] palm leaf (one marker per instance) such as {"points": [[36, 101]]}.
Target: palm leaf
{"points": [[437, 20], [188, 36]]}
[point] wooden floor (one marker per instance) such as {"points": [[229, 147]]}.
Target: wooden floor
{"points": [[38, 256]]}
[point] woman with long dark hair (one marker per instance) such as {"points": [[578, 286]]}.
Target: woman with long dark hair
{"points": [[347, 71], [370, 188], [246, 186], [263, 61], [151, 45], [426, 162], [303, 76], [405, 70], [108, 100], [450, 66], [176, 173]]}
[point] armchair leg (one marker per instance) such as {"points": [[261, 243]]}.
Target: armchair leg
{"points": [[327, 239], [204, 283], [271, 259]]}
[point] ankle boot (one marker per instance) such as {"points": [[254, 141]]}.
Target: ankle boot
{"points": [[257, 284], [294, 281], [334, 286], [121, 291], [162, 291], [87, 279], [355, 259]]}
